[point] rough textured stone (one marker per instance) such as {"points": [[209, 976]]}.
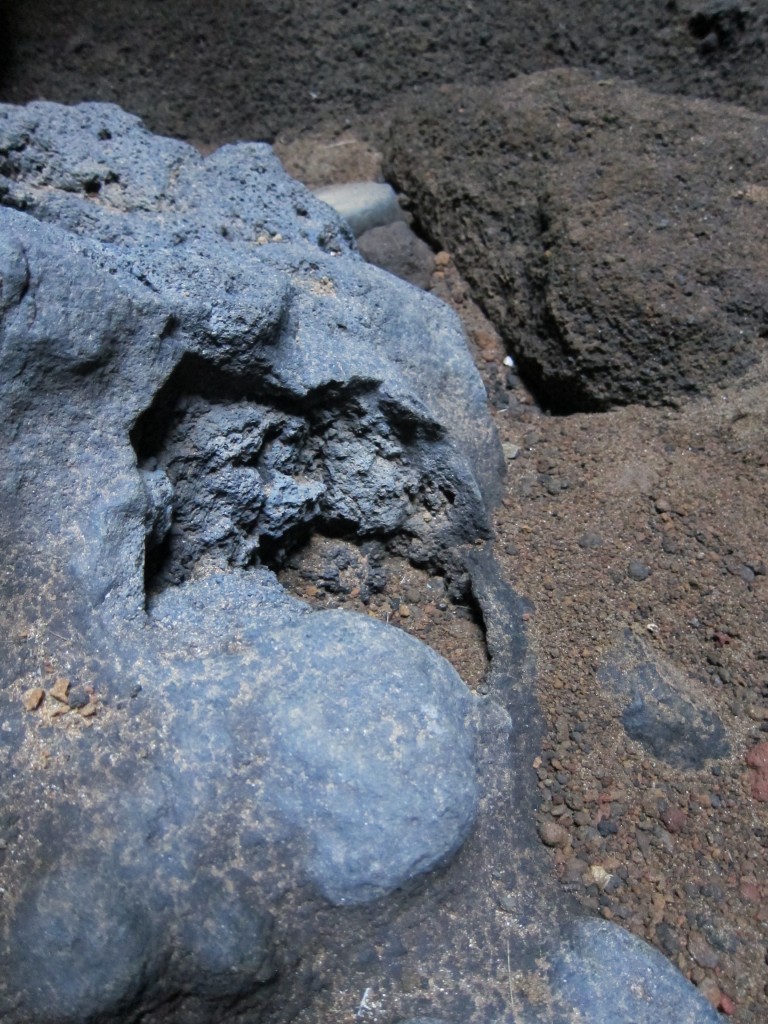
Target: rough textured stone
{"points": [[199, 372], [614, 236], [659, 708]]}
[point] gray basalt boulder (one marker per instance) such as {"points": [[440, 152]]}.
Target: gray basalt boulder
{"points": [[218, 805], [199, 371], [615, 237]]}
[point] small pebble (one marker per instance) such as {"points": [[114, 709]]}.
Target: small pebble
{"points": [[638, 571], [553, 834], [702, 952], [32, 699], [574, 869], [590, 541], [59, 690], [78, 698], [674, 818], [750, 890], [726, 1004], [599, 875]]}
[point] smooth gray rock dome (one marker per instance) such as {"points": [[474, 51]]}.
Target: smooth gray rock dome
{"points": [[372, 757]]}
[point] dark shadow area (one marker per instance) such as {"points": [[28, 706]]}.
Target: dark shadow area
{"points": [[6, 43], [242, 70]]}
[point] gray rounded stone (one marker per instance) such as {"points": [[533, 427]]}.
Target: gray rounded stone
{"points": [[608, 975], [372, 752]]}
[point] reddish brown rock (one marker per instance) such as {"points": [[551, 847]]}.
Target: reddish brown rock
{"points": [[674, 819], [726, 1004], [750, 890], [757, 759], [553, 834]]}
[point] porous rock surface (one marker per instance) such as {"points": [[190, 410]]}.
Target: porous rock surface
{"points": [[217, 802], [198, 369], [256, 71], [614, 236]]}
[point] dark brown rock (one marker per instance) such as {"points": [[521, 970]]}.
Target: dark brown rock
{"points": [[614, 236]]}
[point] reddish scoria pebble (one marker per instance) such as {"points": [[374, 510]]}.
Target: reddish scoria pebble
{"points": [[726, 1004], [757, 759]]}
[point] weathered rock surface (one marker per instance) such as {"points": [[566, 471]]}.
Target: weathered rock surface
{"points": [[616, 237], [607, 974], [223, 804], [199, 372]]}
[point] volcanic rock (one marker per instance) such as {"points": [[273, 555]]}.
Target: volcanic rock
{"points": [[200, 371], [614, 236]]}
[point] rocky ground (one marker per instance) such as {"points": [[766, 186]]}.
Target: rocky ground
{"points": [[647, 519], [651, 519]]}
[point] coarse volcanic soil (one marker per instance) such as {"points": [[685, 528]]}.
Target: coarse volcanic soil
{"points": [[679, 857]]}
